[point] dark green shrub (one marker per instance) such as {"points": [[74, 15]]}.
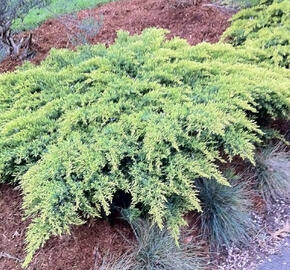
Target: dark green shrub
{"points": [[265, 26], [145, 116], [273, 173], [226, 218]]}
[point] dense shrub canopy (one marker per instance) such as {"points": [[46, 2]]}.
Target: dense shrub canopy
{"points": [[145, 116], [265, 26]]}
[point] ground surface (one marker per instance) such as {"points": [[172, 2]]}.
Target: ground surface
{"points": [[95, 240], [69, 252], [269, 248], [280, 261], [196, 23]]}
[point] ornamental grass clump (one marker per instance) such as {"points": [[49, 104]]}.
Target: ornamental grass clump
{"points": [[145, 117], [273, 173], [156, 249], [124, 262], [265, 26], [225, 217]]}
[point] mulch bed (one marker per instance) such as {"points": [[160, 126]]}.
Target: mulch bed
{"points": [[76, 251], [195, 21]]}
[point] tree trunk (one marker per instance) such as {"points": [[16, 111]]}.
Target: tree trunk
{"points": [[18, 48]]}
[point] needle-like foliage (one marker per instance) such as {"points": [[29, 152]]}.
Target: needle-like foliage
{"points": [[145, 117], [265, 26], [155, 249]]}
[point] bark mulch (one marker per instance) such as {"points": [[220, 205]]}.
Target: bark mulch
{"points": [[77, 251], [194, 20]]}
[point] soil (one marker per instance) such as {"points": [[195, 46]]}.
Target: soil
{"points": [[194, 20], [77, 251], [268, 249]]}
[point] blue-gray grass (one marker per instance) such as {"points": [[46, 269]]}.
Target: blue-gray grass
{"points": [[273, 172]]}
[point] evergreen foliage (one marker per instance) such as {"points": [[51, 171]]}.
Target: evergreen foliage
{"points": [[226, 215], [265, 26], [11, 10], [55, 8], [145, 116]]}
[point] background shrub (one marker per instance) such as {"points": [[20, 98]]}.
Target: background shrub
{"points": [[80, 31], [238, 4], [226, 217], [273, 172], [10, 10], [37, 16], [145, 116], [264, 26]]}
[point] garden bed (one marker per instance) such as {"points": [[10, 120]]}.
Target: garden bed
{"points": [[77, 251], [66, 154], [195, 23]]}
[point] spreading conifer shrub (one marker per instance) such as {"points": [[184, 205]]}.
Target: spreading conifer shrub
{"points": [[273, 172], [226, 217], [265, 26], [145, 117]]}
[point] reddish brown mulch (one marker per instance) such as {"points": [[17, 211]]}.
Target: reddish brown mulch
{"points": [[196, 23], [68, 252]]}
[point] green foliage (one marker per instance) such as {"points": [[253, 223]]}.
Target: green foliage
{"points": [[273, 172], [37, 16], [10, 10], [226, 211], [155, 249], [239, 3], [145, 116], [265, 26]]}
